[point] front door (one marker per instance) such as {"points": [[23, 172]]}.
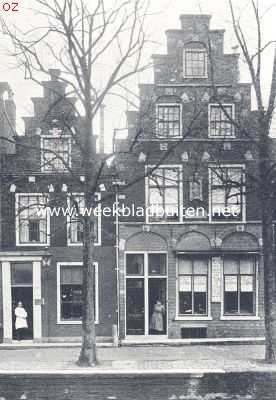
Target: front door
{"points": [[146, 294], [22, 290]]}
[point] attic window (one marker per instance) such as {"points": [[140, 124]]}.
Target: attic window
{"points": [[195, 63]]}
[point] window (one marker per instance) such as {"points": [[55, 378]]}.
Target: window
{"points": [[226, 193], [219, 123], [195, 63], [76, 205], [55, 153], [239, 285], [164, 194], [192, 286], [32, 225], [70, 292], [168, 121]]}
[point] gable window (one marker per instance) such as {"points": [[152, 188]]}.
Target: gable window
{"points": [[227, 199], [192, 286], [163, 187], [239, 275], [32, 224], [77, 209], [195, 63], [220, 120], [168, 120], [55, 153], [69, 290]]}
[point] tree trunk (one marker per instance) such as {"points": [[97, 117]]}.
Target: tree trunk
{"points": [[88, 356]]}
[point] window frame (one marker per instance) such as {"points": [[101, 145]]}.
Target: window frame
{"points": [[237, 317], [217, 105], [17, 222], [180, 193], [68, 222], [167, 105], [42, 150], [77, 263], [195, 50], [194, 317], [211, 167]]}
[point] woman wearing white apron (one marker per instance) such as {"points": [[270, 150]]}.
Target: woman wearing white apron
{"points": [[20, 320]]}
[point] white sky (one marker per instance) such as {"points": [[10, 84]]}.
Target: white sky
{"points": [[164, 14]]}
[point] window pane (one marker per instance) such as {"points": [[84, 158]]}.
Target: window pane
{"points": [[135, 264], [231, 302], [230, 283], [247, 303], [185, 266], [200, 284], [247, 266], [185, 283], [157, 264], [71, 275], [200, 267], [185, 303], [247, 283], [200, 304], [21, 274], [231, 266]]}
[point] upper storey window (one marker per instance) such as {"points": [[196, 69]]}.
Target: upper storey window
{"points": [[55, 153], [195, 63], [221, 120], [168, 120]]}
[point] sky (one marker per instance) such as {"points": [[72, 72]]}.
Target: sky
{"points": [[163, 15]]}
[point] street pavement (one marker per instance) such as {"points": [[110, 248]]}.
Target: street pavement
{"points": [[190, 359]]}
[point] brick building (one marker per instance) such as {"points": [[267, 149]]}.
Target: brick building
{"points": [[201, 259], [41, 255]]}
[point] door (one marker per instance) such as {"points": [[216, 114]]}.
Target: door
{"points": [[25, 295], [22, 290], [146, 294]]}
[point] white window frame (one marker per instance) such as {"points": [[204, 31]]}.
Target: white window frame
{"points": [[187, 50], [243, 195], [194, 317], [42, 166], [146, 278], [168, 138], [99, 236], [253, 317], [76, 322], [17, 223], [232, 105], [180, 188]]}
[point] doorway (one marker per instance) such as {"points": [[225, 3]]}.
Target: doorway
{"points": [[25, 295], [146, 294]]}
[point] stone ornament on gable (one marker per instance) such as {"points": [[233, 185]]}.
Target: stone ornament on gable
{"points": [[195, 192]]}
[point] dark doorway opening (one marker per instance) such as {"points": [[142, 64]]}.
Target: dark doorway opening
{"points": [[25, 295]]}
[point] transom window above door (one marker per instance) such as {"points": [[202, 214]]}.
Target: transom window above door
{"points": [[168, 125]]}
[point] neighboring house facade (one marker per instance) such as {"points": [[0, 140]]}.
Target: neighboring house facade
{"points": [[41, 254], [199, 264]]}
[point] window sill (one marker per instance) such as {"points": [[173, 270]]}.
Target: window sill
{"points": [[240, 318], [193, 318], [33, 244], [80, 244]]}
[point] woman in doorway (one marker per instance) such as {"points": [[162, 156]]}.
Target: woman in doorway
{"points": [[157, 318], [20, 320]]}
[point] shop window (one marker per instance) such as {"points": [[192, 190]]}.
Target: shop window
{"points": [[239, 285], [70, 292], [192, 286]]}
